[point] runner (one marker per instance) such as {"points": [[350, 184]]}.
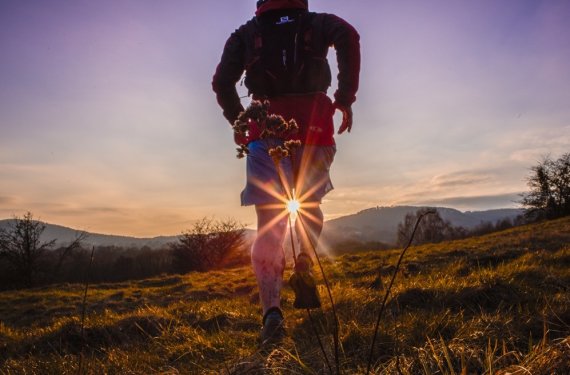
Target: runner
{"points": [[283, 52]]}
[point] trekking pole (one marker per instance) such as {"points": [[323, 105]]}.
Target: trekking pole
{"points": [[382, 307], [313, 325], [333, 306]]}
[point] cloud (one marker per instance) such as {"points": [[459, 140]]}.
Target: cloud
{"points": [[483, 202], [476, 189], [63, 210], [5, 200], [533, 144], [458, 179], [142, 221], [429, 186]]}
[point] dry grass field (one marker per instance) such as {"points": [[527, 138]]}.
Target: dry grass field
{"points": [[496, 304]]}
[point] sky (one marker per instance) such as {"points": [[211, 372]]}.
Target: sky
{"points": [[108, 122]]}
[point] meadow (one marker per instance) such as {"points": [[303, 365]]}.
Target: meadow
{"points": [[493, 304]]}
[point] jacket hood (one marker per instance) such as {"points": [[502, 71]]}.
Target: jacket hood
{"points": [[269, 5]]}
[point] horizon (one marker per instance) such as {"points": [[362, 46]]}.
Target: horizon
{"points": [[253, 228], [109, 122]]}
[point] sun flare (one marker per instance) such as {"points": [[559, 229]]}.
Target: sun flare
{"points": [[293, 206]]}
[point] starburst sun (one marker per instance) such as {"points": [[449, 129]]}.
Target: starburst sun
{"points": [[293, 206]]}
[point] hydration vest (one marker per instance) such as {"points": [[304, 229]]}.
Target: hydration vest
{"points": [[285, 54]]}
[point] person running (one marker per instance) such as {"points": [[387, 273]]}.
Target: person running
{"points": [[283, 52]]}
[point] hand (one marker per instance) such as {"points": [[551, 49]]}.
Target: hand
{"points": [[346, 118]]}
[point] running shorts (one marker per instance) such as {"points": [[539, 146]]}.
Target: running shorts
{"points": [[306, 174]]}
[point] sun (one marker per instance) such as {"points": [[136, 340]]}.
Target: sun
{"points": [[293, 206]]}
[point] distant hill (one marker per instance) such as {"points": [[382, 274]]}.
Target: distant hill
{"points": [[381, 223], [373, 224], [65, 235]]}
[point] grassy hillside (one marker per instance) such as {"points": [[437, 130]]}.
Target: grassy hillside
{"points": [[493, 304]]}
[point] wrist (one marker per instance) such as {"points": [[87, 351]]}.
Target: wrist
{"points": [[341, 105]]}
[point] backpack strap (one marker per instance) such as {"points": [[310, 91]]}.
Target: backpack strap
{"points": [[315, 42], [253, 42]]}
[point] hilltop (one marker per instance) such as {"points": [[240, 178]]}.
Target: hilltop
{"points": [[65, 235], [497, 303]]}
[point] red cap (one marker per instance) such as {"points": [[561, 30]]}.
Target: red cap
{"points": [[281, 4]]}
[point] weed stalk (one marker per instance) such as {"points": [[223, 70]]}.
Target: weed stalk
{"points": [[83, 308], [333, 306], [308, 310], [387, 294]]}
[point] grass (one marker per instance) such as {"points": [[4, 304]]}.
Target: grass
{"points": [[496, 304]]}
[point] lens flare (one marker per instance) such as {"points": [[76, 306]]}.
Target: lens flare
{"points": [[293, 206]]}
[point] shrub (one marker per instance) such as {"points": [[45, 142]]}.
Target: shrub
{"points": [[207, 245]]}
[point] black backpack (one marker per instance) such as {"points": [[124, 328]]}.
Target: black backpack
{"points": [[284, 56]]}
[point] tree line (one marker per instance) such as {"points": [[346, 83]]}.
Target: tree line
{"points": [[433, 228], [27, 261]]}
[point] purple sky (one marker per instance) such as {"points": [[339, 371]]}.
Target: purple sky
{"points": [[108, 122]]}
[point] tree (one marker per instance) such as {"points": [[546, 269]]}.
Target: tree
{"points": [[432, 228], [504, 224], [549, 183], [22, 247], [207, 244]]}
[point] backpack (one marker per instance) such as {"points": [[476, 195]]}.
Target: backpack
{"points": [[284, 56]]}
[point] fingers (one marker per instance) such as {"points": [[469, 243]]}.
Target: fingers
{"points": [[346, 124], [343, 127]]}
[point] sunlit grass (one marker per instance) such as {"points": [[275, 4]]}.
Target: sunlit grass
{"points": [[495, 303]]}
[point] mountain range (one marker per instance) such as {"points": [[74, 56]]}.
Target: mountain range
{"points": [[373, 224], [381, 223]]}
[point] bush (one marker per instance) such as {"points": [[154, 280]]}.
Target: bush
{"points": [[207, 245]]}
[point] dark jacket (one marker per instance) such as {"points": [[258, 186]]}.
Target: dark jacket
{"points": [[327, 31]]}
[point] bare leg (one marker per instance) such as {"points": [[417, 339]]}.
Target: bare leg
{"points": [[267, 256]]}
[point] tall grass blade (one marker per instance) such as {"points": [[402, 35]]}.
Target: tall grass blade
{"points": [[83, 308], [333, 305], [387, 294]]}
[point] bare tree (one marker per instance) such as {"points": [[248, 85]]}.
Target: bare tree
{"points": [[549, 183], [206, 245], [431, 229], [22, 247]]}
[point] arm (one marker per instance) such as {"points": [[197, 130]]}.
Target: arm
{"points": [[346, 41], [228, 73]]}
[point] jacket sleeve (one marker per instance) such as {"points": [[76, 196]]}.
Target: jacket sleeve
{"points": [[346, 41], [228, 73]]}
